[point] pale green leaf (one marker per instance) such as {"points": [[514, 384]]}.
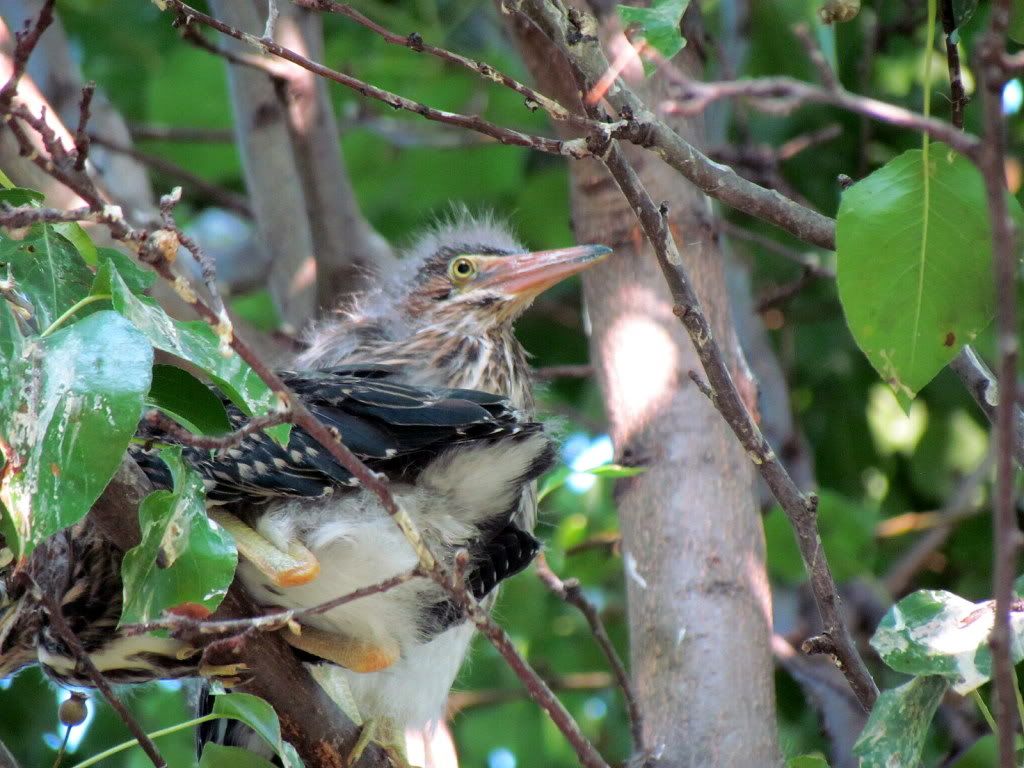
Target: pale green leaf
{"points": [[895, 731], [807, 761], [69, 404], [220, 756], [932, 632], [184, 558]]}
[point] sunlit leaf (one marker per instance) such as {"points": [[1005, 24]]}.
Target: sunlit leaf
{"points": [[658, 25], [187, 400], [184, 557], [556, 479], [914, 264], [47, 268], [77, 236], [895, 731], [196, 342], [932, 632], [260, 716], [69, 404], [17, 196]]}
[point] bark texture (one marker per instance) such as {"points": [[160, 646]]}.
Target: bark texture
{"points": [[693, 547]]}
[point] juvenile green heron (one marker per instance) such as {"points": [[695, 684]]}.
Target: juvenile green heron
{"points": [[426, 382]]}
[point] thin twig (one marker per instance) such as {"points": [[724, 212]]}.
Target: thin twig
{"points": [[53, 612], [828, 78], [269, 622], [957, 94], [415, 42], [81, 136], [272, 14], [25, 42], [185, 133], [216, 193], [186, 14], [214, 442], [571, 592], [1006, 535]]}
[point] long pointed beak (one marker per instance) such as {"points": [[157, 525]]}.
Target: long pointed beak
{"points": [[528, 274]]}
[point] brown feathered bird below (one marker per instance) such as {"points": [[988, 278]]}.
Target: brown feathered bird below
{"points": [[423, 377]]}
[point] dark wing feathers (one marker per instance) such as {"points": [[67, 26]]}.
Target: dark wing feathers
{"points": [[394, 428]]}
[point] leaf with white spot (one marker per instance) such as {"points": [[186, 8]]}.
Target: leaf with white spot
{"points": [[932, 632], [184, 558], [69, 404], [894, 734]]}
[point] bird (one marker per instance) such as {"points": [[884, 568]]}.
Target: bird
{"points": [[423, 378]]}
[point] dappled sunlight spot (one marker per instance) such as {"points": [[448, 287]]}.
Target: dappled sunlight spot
{"points": [[893, 430], [757, 583], [595, 708], [1013, 97], [644, 375], [304, 278], [597, 453], [875, 482]]}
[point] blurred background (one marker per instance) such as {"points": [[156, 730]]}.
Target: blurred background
{"points": [[905, 495]]}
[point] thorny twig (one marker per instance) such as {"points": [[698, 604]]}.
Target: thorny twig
{"points": [[571, 592]]}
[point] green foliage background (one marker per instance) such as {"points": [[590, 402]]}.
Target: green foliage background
{"points": [[872, 462]]}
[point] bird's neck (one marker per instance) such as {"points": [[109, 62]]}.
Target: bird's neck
{"points": [[444, 356]]}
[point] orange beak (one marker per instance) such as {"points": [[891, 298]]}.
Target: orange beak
{"points": [[524, 275]]}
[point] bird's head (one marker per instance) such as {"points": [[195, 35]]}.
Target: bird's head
{"points": [[471, 271]]}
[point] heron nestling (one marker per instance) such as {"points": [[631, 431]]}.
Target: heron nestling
{"points": [[425, 381]]}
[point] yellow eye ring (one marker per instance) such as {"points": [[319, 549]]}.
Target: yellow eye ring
{"points": [[461, 269]]}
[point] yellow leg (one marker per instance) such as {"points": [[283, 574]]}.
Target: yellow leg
{"points": [[357, 655], [382, 732], [293, 568]]}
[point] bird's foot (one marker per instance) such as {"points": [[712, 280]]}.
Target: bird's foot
{"points": [[357, 655], [230, 675], [381, 732], [293, 568]]}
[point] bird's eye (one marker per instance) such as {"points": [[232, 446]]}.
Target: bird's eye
{"points": [[461, 269]]}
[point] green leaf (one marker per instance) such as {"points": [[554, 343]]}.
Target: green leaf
{"points": [[963, 10], [78, 237], [219, 756], [49, 269], [659, 25], [16, 196], [914, 266], [932, 632], [615, 470], [895, 731], [195, 342], [69, 404], [557, 478], [184, 558], [260, 716], [807, 761], [187, 400], [137, 278]]}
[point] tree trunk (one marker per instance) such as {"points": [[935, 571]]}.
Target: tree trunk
{"points": [[693, 546]]}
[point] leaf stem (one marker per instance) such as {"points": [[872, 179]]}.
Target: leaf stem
{"points": [[985, 711], [72, 310], [154, 735]]}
